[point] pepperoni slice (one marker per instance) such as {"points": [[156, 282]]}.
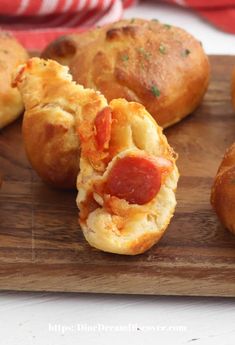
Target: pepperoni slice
{"points": [[136, 179], [103, 123]]}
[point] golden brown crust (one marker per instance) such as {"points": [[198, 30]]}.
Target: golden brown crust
{"points": [[223, 190], [233, 88], [162, 67], [53, 107], [11, 55], [145, 242]]}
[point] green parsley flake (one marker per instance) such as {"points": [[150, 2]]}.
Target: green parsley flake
{"points": [[143, 52], [232, 181], [155, 91], [142, 65], [167, 26], [125, 57], [162, 49], [132, 20], [155, 20]]}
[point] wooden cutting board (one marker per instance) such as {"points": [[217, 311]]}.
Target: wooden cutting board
{"points": [[42, 247]]}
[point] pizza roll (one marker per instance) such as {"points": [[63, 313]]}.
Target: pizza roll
{"points": [[233, 88], [127, 180], [160, 66], [128, 176], [11, 54], [223, 190], [54, 105]]}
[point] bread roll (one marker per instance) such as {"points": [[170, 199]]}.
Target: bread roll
{"points": [[11, 55], [128, 175], [158, 65], [54, 106], [223, 190], [127, 180], [233, 88]]}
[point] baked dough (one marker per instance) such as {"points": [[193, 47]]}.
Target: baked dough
{"points": [[223, 190], [122, 211], [11, 55], [233, 88], [54, 105], [109, 221], [158, 65]]}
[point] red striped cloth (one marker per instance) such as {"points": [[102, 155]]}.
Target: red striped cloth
{"points": [[220, 13], [36, 22]]}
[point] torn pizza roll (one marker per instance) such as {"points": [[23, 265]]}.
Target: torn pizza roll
{"points": [[127, 180], [54, 106]]}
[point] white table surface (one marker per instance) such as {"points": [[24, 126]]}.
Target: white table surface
{"points": [[56, 319], [214, 41]]}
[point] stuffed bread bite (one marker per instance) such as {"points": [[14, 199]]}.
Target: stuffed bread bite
{"points": [[160, 66], [11, 55], [54, 105], [233, 88], [127, 180], [223, 190], [128, 175]]}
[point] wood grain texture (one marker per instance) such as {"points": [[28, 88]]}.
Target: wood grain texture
{"points": [[42, 247]]}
